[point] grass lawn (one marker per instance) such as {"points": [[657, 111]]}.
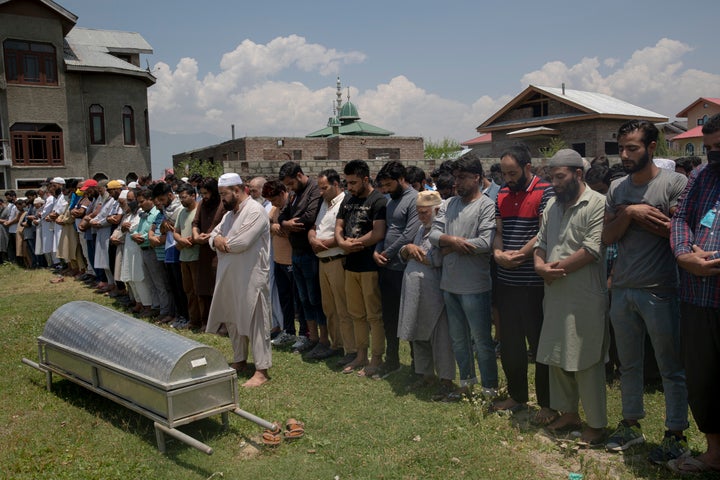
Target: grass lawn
{"points": [[355, 428]]}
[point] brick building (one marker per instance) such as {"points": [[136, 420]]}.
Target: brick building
{"points": [[697, 113], [344, 138], [73, 101], [586, 121]]}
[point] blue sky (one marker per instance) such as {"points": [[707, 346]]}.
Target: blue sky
{"points": [[430, 69]]}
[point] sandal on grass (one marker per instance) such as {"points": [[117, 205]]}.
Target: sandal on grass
{"points": [[368, 372], [294, 429], [272, 438], [350, 368], [544, 418]]}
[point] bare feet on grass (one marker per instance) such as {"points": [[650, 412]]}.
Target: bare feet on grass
{"points": [[259, 378]]}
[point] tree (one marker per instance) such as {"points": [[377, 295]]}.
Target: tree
{"points": [[444, 148], [556, 144], [203, 167], [663, 150]]}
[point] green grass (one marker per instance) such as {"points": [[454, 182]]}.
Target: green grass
{"points": [[356, 428]]}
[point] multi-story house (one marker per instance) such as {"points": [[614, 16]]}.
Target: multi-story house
{"points": [[73, 101]]}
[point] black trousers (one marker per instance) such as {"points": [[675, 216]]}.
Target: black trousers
{"points": [[521, 318], [700, 337], [174, 274], [390, 289]]}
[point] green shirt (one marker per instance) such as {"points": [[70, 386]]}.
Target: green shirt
{"points": [[183, 225]]}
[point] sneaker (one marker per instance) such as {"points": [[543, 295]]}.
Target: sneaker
{"points": [[303, 344], [283, 340], [624, 437], [319, 352], [489, 393], [672, 447], [181, 323]]}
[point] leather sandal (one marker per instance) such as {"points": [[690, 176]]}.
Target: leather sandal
{"points": [[294, 429], [272, 438]]}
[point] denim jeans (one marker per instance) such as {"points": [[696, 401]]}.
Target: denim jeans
{"points": [[306, 273], [470, 323], [633, 312]]}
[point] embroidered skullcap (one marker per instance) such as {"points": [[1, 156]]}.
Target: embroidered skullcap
{"points": [[428, 198], [229, 179]]}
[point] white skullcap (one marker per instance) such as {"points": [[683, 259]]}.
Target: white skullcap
{"points": [[184, 179], [58, 180], [132, 185], [229, 179], [122, 182], [123, 194], [665, 163]]}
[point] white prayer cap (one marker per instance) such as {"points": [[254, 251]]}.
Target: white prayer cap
{"points": [[184, 179], [229, 179], [58, 180], [665, 163], [123, 194], [122, 182], [132, 185]]}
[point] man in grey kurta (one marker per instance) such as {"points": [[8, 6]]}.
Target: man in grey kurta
{"points": [[242, 293], [464, 230], [574, 337]]}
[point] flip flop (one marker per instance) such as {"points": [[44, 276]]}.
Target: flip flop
{"points": [[350, 368], [539, 420], [367, 371], [294, 429], [57, 280], [272, 438]]}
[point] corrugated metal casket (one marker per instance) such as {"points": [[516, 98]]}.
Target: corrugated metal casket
{"points": [[167, 377]]}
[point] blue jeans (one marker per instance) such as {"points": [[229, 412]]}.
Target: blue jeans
{"points": [[470, 322], [306, 273], [633, 312]]}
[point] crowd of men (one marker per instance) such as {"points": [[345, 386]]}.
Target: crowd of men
{"points": [[553, 257]]}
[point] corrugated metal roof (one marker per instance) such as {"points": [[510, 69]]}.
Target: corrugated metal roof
{"points": [[355, 128], [487, 138], [113, 40], [692, 133], [532, 131], [85, 50], [600, 103]]}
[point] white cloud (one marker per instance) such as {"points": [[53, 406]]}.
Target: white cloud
{"points": [[246, 89], [653, 77]]}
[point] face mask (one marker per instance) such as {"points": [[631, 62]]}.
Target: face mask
{"points": [[132, 205], [714, 160]]}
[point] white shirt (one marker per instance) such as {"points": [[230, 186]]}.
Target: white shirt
{"points": [[325, 224]]}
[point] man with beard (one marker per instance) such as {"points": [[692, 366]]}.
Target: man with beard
{"points": [[402, 225], [569, 256], [103, 224], [242, 295], [644, 288], [695, 240], [519, 290], [50, 211], [464, 229], [296, 219], [359, 226]]}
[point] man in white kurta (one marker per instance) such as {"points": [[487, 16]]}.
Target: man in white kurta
{"points": [[574, 337], [241, 299]]}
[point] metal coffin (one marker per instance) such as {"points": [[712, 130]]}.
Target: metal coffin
{"points": [[165, 376]]}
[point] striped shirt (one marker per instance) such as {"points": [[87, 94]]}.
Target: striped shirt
{"points": [[697, 222], [520, 213]]}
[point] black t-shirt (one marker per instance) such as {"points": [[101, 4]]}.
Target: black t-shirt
{"points": [[359, 215]]}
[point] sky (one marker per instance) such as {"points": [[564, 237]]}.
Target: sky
{"points": [[418, 68]]}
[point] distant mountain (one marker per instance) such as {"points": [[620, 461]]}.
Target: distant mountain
{"points": [[164, 145]]}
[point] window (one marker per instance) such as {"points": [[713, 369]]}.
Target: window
{"points": [[540, 109], [689, 149], [128, 121], [297, 155], [611, 148], [147, 128], [30, 63], [37, 144], [97, 125], [579, 147]]}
